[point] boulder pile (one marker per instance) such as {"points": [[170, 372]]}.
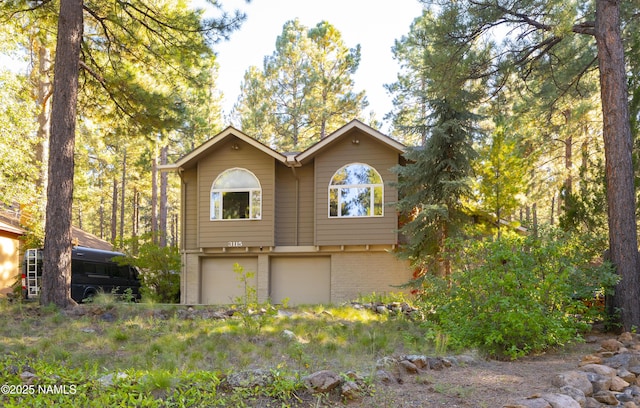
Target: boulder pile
{"points": [[610, 377]]}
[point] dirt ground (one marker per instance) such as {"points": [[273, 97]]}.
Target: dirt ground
{"points": [[487, 383]]}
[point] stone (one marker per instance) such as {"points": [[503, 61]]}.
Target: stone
{"points": [[574, 393], [590, 359], [322, 381], [408, 367], [599, 382], [630, 404], [606, 397], [618, 384], [419, 361], [436, 363], [385, 377], [621, 360], [560, 401], [386, 362], [575, 379], [626, 339], [28, 377], [250, 379], [534, 402], [612, 345], [108, 380], [600, 369], [350, 390], [626, 375]]}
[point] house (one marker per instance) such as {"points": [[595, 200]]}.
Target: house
{"points": [[9, 256], [317, 226]]}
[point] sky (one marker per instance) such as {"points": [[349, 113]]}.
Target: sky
{"points": [[374, 24]]}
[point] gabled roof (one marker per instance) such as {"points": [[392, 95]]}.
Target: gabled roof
{"points": [[11, 229], [289, 159], [354, 124], [229, 132]]}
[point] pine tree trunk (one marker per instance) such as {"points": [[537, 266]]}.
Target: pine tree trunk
{"points": [[164, 180], [56, 276], [623, 241], [154, 198], [114, 212], [122, 195]]}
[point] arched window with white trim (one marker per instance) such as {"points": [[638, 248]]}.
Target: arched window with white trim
{"points": [[236, 194], [356, 190]]}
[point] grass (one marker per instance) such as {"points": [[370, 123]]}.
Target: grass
{"points": [[178, 360]]}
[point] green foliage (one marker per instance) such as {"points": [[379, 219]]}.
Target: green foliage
{"points": [[160, 270], [518, 295]]}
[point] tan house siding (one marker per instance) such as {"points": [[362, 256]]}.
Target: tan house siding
{"points": [[294, 195], [286, 232], [354, 231], [9, 263], [190, 282], [190, 205], [362, 273], [244, 232]]}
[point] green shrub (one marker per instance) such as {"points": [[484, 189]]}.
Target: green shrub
{"points": [[516, 295]]}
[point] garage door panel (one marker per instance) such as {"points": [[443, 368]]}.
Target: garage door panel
{"points": [[220, 285], [303, 280]]}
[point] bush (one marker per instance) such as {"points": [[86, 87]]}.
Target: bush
{"points": [[517, 295]]}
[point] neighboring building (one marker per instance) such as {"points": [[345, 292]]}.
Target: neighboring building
{"points": [[9, 256], [315, 227]]}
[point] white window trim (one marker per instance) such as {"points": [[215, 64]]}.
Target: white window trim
{"points": [[250, 190], [349, 186]]}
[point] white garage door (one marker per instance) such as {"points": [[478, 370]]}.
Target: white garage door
{"points": [[220, 285], [304, 280]]}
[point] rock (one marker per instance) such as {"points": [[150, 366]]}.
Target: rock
{"points": [[591, 359], [534, 402], [386, 362], [322, 381], [606, 397], [250, 379], [600, 369], [630, 404], [574, 393], [626, 375], [350, 390], [621, 360], [437, 363], [560, 401], [612, 345], [107, 380], [599, 382], [576, 379], [626, 339], [618, 384], [419, 361], [408, 367], [385, 377], [28, 377]]}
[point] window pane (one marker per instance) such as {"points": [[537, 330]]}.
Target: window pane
{"points": [[355, 202], [333, 202], [377, 201], [215, 205], [235, 205], [236, 178], [355, 174], [256, 204]]}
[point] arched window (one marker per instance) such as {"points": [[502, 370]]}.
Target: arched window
{"points": [[236, 194], [356, 190]]}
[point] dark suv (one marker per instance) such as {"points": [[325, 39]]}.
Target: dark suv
{"points": [[92, 271]]}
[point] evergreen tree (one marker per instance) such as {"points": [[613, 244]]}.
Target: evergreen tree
{"points": [[305, 89], [436, 180]]}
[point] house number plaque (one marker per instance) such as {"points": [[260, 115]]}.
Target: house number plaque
{"points": [[234, 244]]}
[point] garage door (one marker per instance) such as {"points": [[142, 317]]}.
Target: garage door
{"points": [[304, 280], [220, 285]]}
